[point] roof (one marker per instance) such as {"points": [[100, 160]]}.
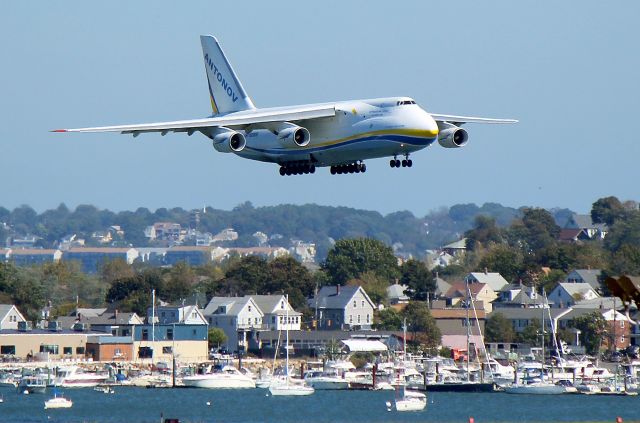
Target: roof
{"points": [[234, 305], [590, 276], [460, 341], [602, 302], [397, 291], [570, 234], [442, 286], [189, 248], [333, 297], [584, 221], [459, 289], [268, 303], [4, 309], [106, 250], [89, 312], [456, 313], [113, 319], [494, 280], [461, 244], [573, 288], [529, 313], [32, 251], [364, 345], [608, 314]]}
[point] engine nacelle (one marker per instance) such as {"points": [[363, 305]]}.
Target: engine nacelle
{"points": [[228, 141], [294, 134], [452, 136]]}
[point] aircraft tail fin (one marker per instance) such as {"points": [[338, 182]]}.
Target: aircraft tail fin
{"points": [[225, 89]]}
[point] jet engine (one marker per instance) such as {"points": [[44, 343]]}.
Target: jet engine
{"points": [[452, 136], [227, 141], [289, 133]]}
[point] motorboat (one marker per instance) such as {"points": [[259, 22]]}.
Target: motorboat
{"points": [[536, 388], [75, 377], [33, 384], [226, 377], [409, 401], [58, 402], [325, 380], [105, 389]]}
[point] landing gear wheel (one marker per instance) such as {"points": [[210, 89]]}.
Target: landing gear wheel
{"points": [[409, 163], [333, 170], [392, 163], [282, 170], [404, 163], [312, 169], [363, 167]]}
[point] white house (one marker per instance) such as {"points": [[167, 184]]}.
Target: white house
{"points": [[237, 317], [10, 316], [567, 294], [277, 312]]}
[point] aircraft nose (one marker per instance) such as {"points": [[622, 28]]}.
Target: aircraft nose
{"points": [[432, 125]]}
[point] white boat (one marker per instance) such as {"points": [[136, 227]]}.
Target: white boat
{"points": [[228, 377], [58, 402], [286, 386], [325, 380], [105, 389], [409, 401], [536, 388], [75, 377], [33, 384]]}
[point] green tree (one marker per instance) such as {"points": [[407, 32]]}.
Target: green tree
{"points": [[536, 230], [607, 210], [419, 280], [373, 285], [504, 260], [593, 328], [484, 233], [247, 275], [216, 338], [289, 276], [388, 319], [112, 270], [531, 334], [349, 258], [421, 324], [179, 282], [498, 329]]}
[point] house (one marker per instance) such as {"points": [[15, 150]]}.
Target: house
{"points": [[481, 294], [238, 317], [453, 321], [619, 326], [590, 276], [10, 316], [520, 296], [92, 258], [267, 252], [162, 342], [584, 221], [521, 318], [442, 287], [456, 248], [573, 235], [566, 294], [164, 231], [494, 280], [178, 314], [277, 312], [342, 307], [396, 294], [109, 348], [228, 234]]}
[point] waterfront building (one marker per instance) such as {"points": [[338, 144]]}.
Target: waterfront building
{"points": [[92, 258], [342, 307], [33, 256], [239, 317]]}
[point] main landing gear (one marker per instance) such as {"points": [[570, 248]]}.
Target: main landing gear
{"points": [[406, 162], [349, 168], [297, 168]]}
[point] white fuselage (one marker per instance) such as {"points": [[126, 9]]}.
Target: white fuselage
{"points": [[360, 129]]}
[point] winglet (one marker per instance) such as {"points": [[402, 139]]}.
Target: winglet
{"points": [[59, 130]]}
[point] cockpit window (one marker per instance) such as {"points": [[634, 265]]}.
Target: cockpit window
{"points": [[403, 102]]}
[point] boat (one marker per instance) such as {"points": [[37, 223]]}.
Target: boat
{"points": [[58, 402], [539, 387], [286, 386], [325, 380], [105, 389], [75, 377], [226, 377], [409, 401], [33, 384]]}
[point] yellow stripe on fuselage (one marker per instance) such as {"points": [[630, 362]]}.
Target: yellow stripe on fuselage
{"points": [[418, 133]]}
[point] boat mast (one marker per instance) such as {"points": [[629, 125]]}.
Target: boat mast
{"points": [[468, 328], [286, 322], [153, 322], [404, 337]]}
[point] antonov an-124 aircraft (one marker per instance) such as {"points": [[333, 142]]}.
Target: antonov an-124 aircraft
{"points": [[299, 139]]}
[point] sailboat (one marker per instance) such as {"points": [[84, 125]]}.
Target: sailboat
{"points": [[286, 386]]}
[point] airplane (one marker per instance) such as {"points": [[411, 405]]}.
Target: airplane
{"points": [[339, 135]]}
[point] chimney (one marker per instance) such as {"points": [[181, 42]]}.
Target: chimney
{"points": [[338, 289], [115, 315], [486, 271]]}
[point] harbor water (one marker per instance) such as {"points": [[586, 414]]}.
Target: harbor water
{"points": [[129, 404]]}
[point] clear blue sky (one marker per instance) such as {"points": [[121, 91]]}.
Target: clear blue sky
{"points": [[567, 70]]}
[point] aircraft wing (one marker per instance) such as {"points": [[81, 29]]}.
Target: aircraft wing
{"points": [[242, 118], [459, 120]]}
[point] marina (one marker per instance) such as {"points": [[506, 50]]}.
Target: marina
{"points": [[255, 405]]}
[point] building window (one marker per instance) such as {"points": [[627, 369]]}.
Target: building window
{"points": [[8, 349], [358, 318], [145, 352], [162, 314], [170, 333], [367, 317], [126, 332], [273, 319], [145, 334], [354, 304], [80, 350], [51, 349], [622, 324], [363, 303], [166, 350], [249, 309], [351, 319], [67, 350]]}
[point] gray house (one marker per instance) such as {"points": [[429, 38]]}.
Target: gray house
{"points": [[342, 307], [590, 276]]}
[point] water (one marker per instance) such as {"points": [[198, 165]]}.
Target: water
{"points": [[255, 405]]}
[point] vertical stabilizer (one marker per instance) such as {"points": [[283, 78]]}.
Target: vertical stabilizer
{"points": [[225, 89]]}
